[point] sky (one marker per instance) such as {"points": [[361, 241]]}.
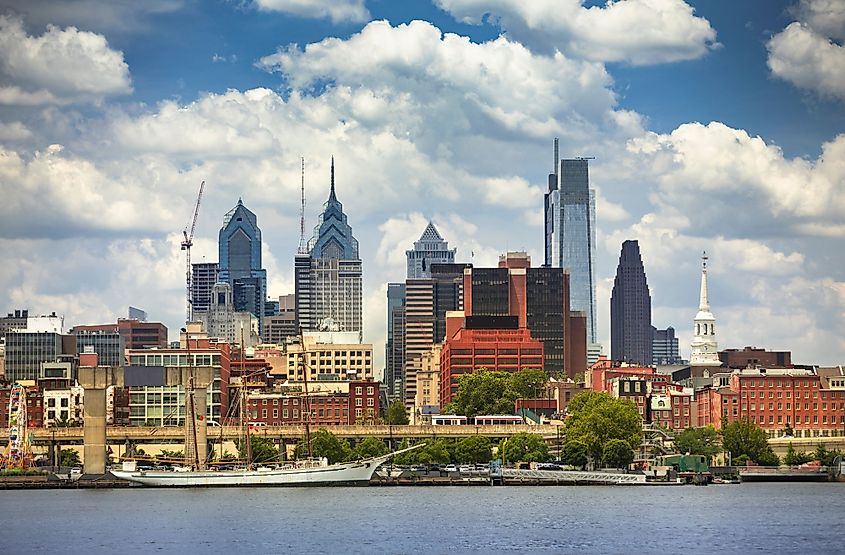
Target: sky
{"points": [[715, 125]]}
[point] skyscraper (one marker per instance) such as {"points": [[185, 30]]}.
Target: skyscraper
{"points": [[328, 278], [240, 260], [430, 249], [630, 309], [203, 278], [664, 346], [570, 233], [705, 349], [394, 348]]}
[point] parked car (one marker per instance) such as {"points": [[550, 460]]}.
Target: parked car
{"points": [[451, 468], [465, 468]]}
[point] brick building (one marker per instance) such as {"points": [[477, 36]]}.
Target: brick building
{"points": [[135, 333], [753, 357], [330, 404]]}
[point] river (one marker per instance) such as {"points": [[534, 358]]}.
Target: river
{"points": [[764, 518]]}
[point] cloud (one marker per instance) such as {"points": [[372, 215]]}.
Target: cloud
{"points": [[338, 11], [14, 131], [638, 32], [712, 170], [61, 66], [805, 53], [126, 16]]}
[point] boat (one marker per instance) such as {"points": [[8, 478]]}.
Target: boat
{"points": [[300, 473]]}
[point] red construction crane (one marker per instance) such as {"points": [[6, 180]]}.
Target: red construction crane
{"points": [[187, 243]]}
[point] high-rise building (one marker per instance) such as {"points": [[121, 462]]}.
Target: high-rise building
{"points": [[222, 321], [705, 349], [137, 314], [570, 233], [203, 278], [15, 321], [539, 298], [281, 325], [430, 249], [630, 309], [26, 351], [664, 346], [394, 347], [328, 279], [109, 346], [239, 263]]}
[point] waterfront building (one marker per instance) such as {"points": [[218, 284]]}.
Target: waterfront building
{"points": [[427, 399], [705, 349], [203, 278], [239, 247], [333, 403], [135, 333], [63, 405], [394, 347], [326, 355], [328, 277], [665, 347], [429, 249], [539, 298], [630, 309], [752, 357], [109, 346], [280, 326], [491, 342], [570, 233]]}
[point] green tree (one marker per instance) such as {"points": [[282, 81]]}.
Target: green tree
{"points": [[524, 447], [64, 422], [404, 458], [396, 414], [574, 453], [171, 456], [596, 418], [369, 447], [699, 441], [435, 451], [794, 458], [617, 453], [263, 449], [744, 438], [825, 456], [473, 449], [70, 457], [494, 392], [325, 444]]}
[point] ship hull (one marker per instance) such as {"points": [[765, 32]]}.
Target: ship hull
{"points": [[348, 474]]}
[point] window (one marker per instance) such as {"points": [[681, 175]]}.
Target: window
{"points": [[284, 413], [359, 390], [358, 402], [370, 390], [263, 413], [275, 413], [370, 402]]}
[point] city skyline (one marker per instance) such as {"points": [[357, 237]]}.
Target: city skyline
{"points": [[709, 135]]}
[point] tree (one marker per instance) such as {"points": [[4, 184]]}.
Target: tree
{"points": [[171, 456], [524, 447], [744, 438], [699, 441], [494, 392], [396, 414], [70, 457], [404, 458], [64, 422], [574, 453], [596, 418], [263, 449], [793, 458], [369, 447], [435, 451], [617, 453], [825, 456], [473, 449], [325, 444]]}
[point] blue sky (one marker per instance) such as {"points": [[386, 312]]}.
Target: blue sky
{"points": [[715, 124]]}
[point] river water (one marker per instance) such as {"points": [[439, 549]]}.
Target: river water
{"points": [[758, 518]]}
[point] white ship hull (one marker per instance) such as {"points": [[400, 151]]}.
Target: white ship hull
{"points": [[351, 473]]}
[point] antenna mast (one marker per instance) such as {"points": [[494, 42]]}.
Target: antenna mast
{"points": [[302, 248]]}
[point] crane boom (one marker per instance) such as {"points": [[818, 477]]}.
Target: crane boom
{"points": [[187, 243]]}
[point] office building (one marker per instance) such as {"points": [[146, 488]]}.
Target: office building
{"points": [[109, 346], [280, 326], [222, 321], [630, 309], [135, 333], [430, 249], [753, 357], [664, 347], [203, 278], [394, 347], [570, 233], [239, 264], [26, 351], [137, 314], [328, 279], [14, 321], [326, 355]]}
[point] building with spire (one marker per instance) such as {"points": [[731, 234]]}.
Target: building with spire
{"points": [[328, 279], [570, 233], [705, 349], [239, 265], [630, 309]]}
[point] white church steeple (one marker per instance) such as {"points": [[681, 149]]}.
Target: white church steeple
{"points": [[705, 349]]}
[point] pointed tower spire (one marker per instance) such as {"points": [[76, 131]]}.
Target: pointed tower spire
{"points": [[331, 192], [704, 303]]}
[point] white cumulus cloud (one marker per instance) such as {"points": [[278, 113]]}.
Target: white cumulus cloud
{"points": [[637, 32], [336, 10], [61, 66]]}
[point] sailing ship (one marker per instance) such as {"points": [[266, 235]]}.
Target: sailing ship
{"points": [[309, 472]]}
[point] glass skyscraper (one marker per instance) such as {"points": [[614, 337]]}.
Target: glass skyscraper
{"points": [[570, 233], [630, 309], [240, 260]]}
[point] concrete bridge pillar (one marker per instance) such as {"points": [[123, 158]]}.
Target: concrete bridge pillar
{"points": [[95, 381]]}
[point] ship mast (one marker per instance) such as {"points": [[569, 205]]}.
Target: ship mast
{"points": [[245, 435], [192, 451], [306, 405]]}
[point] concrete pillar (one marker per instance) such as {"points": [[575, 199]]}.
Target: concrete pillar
{"points": [[94, 431]]}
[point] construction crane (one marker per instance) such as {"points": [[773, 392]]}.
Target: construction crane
{"points": [[187, 243]]}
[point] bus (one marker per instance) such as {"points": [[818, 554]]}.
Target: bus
{"points": [[448, 420], [498, 420]]}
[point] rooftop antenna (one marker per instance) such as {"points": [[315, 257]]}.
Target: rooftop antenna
{"points": [[302, 249], [556, 167]]}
